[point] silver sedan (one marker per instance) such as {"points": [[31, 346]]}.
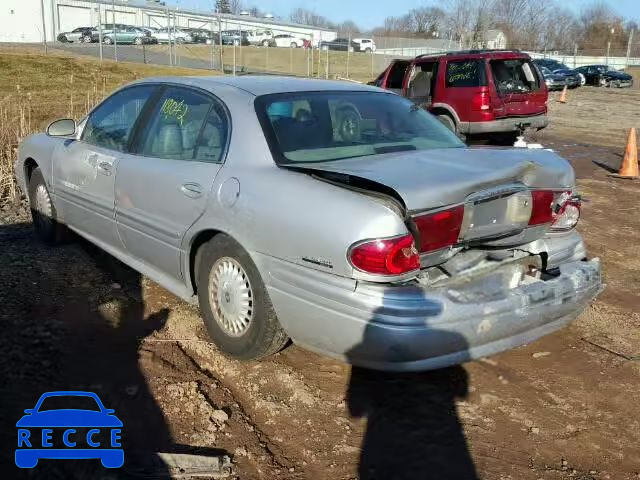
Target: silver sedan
{"points": [[339, 216]]}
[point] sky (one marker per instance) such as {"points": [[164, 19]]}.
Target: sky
{"points": [[371, 13]]}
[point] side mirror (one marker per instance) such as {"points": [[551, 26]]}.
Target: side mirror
{"points": [[29, 411], [62, 128], [109, 411]]}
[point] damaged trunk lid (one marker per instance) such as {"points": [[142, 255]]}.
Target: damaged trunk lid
{"points": [[493, 192]]}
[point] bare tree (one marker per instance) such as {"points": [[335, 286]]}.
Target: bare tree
{"points": [[426, 20], [235, 6], [308, 17]]}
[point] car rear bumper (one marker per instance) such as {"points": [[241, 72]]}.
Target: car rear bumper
{"points": [[411, 327], [503, 125]]}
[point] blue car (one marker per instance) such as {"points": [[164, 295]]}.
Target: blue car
{"points": [[48, 415]]}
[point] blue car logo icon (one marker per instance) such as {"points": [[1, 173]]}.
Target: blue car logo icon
{"points": [[52, 430]]}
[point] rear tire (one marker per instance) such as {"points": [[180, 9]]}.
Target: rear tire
{"points": [[234, 302], [137, 41], [87, 39], [43, 212], [265, 43], [448, 122], [107, 40], [293, 45]]}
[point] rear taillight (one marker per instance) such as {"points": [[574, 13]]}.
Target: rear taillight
{"points": [[440, 229], [481, 102], [542, 207], [566, 213], [386, 256]]}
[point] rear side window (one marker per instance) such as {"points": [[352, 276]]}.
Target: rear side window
{"points": [[514, 76], [186, 125], [466, 73]]}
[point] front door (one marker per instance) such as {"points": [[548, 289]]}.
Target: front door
{"points": [[85, 170], [163, 188]]}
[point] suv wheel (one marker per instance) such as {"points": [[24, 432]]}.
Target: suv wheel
{"points": [[294, 45], [107, 40], [234, 302], [43, 212], [448, 122], [86, 39], [265, 43]]}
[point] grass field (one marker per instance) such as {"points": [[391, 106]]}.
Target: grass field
{"points": [[36, 89]]}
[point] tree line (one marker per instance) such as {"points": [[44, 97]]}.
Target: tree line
{"points": [[527, 24]]}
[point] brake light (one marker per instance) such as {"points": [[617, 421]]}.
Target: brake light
{"points": [[386, 256], [481, 102], [567, 212], [542, 207], [440, 229]]}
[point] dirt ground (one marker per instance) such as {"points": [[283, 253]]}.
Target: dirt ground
{"points": [[564, 407]]}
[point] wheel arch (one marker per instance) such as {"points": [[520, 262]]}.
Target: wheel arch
{"points": [[29, 165], [444, 109]]}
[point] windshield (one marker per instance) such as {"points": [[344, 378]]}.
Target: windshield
{"points": [[514, 76], [326, 126], [65, 402]]}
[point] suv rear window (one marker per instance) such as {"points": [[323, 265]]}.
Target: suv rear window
{"points": [[514, 76], [466, 73]]}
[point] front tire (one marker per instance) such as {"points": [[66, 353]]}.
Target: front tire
{"points": [[234, 302], [137, 41], [107, 40], [43, 212], [87, 39]]}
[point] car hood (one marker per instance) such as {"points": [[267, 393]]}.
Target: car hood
{"points": [[434, 178], [69, 418], [619, 75]]}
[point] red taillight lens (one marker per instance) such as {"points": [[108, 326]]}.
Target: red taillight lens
{"points": [[481, 102], [386, 256], [542, 207], [440, 229]]}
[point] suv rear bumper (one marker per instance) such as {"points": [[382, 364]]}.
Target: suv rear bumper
{"points": [[503, 125]]}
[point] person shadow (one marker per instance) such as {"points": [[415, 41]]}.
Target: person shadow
{"points": [[75, 319], [412, 430]]}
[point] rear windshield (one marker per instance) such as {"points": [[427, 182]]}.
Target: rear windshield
{"points": [[514, 76], [326, 126]]}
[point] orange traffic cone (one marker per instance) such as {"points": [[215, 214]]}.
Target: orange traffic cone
{"points": [[563, 95], [629, 167]]}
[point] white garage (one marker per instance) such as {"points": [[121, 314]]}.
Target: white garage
{"points": [[72, 17]]}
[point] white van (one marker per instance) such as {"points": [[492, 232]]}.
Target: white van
{"points": [[366, 44]]}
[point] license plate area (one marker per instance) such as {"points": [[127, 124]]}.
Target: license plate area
{"points": [[496, 212]]}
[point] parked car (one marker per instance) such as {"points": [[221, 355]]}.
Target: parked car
{"points": [[175, 35], [79, 35], [286, 40], [235, 37], [366, 44], [475, 93], [128, 35], [603, 76], [574, 78], [403, 249], [262, 38], [341, 44], [199, 35], [554, 81]]}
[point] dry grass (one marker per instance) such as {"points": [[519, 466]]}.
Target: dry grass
{"points": [[36, 89]]}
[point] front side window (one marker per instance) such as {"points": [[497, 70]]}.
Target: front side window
{"points": [[110, 125], [326, 126], [186, 125]]}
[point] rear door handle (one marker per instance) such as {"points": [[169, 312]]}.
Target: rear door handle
{"points": [[105, 168], [191, 190]]}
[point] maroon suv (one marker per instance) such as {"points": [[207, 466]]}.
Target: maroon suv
{"points": [[492, 94]]}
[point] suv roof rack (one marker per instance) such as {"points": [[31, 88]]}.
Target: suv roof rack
{"points": [[469, 52]]}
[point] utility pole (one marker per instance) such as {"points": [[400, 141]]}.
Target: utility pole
{"points": [[575, 55], [44, 27], [115, 30], [169, 34], [629, 43]]}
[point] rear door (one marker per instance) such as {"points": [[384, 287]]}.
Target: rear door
{"points": [[393, 77], [519, 89], [162, 188]]}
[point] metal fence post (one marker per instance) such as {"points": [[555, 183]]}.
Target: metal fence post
{"points": [[326, 67], [44, 27], [348, 54], [115, 32], [290, 59]]}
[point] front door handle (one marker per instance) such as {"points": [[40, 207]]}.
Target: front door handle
{"points": [[105, 168], [191, 190]]}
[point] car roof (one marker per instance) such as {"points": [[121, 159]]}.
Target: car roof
{"points": [[476, 54], [264, 84]]}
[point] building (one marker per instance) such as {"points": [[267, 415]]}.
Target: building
{"points": [[32, 20], [495, 39]]}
